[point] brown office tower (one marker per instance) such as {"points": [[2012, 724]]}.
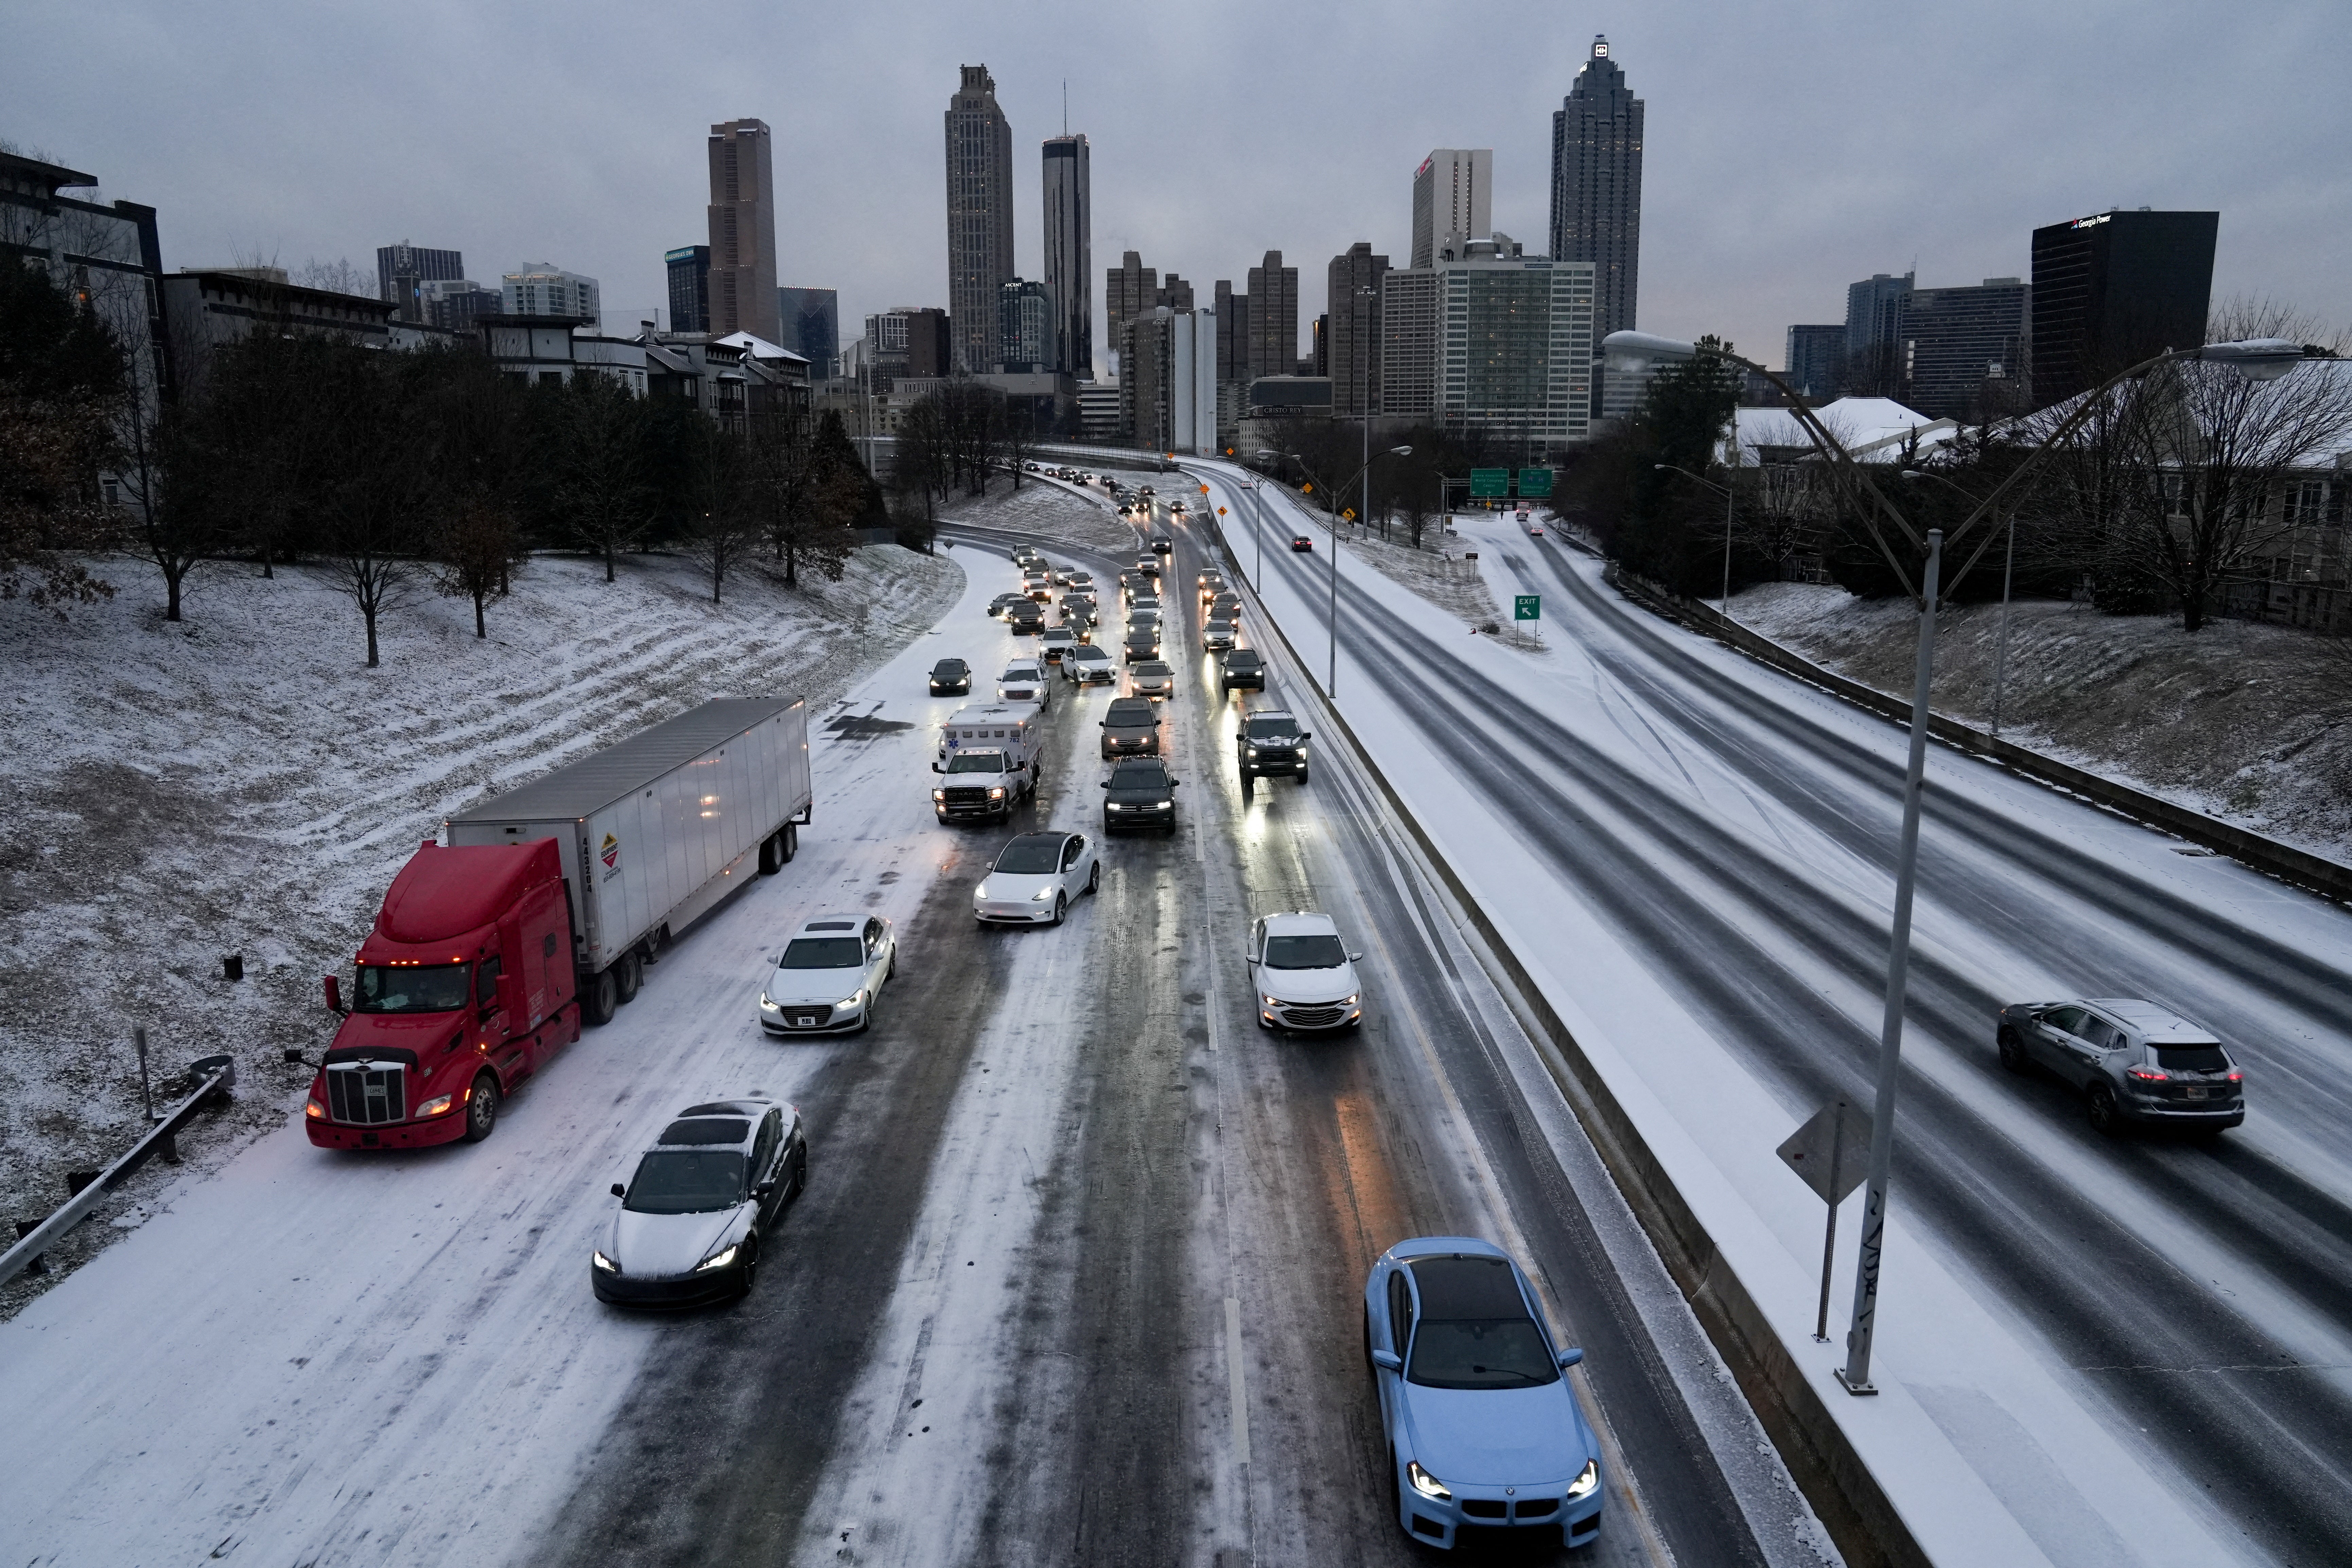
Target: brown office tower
{"points": [[742, 232], [979, 217], [1274, 318], [1129, 289], [1351, 341]]}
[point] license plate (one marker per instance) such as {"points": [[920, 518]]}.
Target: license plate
{"points": [[2194, 1093], [806, 1020]]}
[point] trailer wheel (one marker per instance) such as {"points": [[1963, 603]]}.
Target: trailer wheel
{"points": [[628, 975], [772, 853], [597, 999], [482, 1107]]}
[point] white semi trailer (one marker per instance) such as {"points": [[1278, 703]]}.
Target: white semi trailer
{"points": [[655, 830]]}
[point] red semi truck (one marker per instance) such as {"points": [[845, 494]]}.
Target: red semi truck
{"points": [[541, 913]]}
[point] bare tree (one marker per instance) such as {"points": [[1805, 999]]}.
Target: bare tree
{"points": [[476, 546], [723, 525], [336, 277], [370, 502]]}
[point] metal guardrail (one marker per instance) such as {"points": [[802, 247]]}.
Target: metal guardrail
{"points": [[214, 1079]]}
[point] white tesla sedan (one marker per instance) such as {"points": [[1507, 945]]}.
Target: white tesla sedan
{"points": [[1304, 975], [1036, 878], [830, 976]]}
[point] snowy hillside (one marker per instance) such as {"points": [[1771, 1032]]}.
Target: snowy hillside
{"points": [[240, 784]]}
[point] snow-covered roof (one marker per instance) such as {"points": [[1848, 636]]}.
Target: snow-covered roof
{"points": [[1872, 428], [759, 348]]}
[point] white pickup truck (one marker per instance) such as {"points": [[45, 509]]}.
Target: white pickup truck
{"points": [[989, 755]]}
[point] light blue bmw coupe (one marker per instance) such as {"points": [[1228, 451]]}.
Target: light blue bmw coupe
{"points": [[1484, 1433]]}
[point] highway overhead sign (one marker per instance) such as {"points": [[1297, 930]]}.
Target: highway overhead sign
{"points": [[1486, 482], [1535, 483]]}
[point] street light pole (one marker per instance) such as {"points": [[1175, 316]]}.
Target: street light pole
{"points": [[2000, 658], [1855, 1374], [1331, 680]]}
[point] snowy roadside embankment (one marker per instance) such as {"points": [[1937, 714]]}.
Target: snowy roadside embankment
{"points": [[1052, 510], [239, 783], [2248, 724]]}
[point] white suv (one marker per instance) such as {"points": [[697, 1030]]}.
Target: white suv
{"points": [[1024, 680], [1303, 975]]}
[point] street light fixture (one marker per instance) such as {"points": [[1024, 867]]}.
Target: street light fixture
{"points": [[1726, 494], [2257, 359]]}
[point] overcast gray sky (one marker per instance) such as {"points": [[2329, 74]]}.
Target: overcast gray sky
{"points": [[1791, 149]]}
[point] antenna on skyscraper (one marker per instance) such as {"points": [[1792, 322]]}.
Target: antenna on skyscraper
{"points": [[1066, 106]]}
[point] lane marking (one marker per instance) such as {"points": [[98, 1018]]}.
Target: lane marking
{"points": [[1238, 1387]]}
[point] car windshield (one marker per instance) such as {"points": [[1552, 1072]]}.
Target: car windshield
{"points": [[406, 988], [1267, 728], [687, 1181], [1303, 953], [948, 670], [1138, 775], [980, 763], [1474, 1330], [1151, 669], [2190, 1058], [1243, 658], [823, 952], [1021, 671], [1032, 855], [1086, 653]]}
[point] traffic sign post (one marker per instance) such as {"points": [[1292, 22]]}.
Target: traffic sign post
{"points": [[1525, 607], [1830, 1155], [1489, 484]]}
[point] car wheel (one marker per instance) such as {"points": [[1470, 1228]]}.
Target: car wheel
{"points": [[2012, 1051], [1094, 879], [892, 972], [627, 976], [482, 1107], [748, 1268], [800, 1175], [2106, 1117], [872, 1007], [1249, 784]]}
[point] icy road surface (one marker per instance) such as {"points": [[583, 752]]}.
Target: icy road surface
{"points": [[1075, 1279]]}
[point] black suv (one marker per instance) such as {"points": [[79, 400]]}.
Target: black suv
{"points": [[1243, 670], [951, 678], [1139, 794], [1026, 620], [1270, 743], [1162, 545]]}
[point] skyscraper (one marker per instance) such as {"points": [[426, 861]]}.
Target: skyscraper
{"points": [[742, 231], [1514, 346], [1816, 359], [689, 287], [1452, 193], [1025, 326], [1272, 318], [543, 289], [1129, 289], [979, 217], [1233, 332], [1070, 253], [1408, 308], [1953, 341], [2114, 289], [1174, 293], [1596, 188], [401, 271], [811, 319], [1351, 343]]}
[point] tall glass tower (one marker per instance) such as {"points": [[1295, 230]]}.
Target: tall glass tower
{"points": [[1069, 253], [979, 217], [1596, 188]]}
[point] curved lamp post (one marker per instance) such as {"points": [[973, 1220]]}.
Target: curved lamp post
{"points": [[2257, 359]]}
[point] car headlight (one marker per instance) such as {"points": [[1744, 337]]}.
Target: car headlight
{"points": [[852, 1002], [604, 1264], [1163, 806], [719, 1259], [980, 891], [1351, 1001], [1271, 1001], [1586, 1479], [996, 794], [769, 1004], [1425, 1483], [438, 1106], [1041, 895]]}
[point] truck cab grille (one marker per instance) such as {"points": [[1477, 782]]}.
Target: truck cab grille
{"points": [[366, 1094], [964, 795]]}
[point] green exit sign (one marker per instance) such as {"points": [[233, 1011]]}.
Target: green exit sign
{"points": [[1526, 607], [1489, 483], [1534, 483]]}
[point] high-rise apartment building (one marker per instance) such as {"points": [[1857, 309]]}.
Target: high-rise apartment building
{"points": [[1024, 328], [689, 287], [1168, 379], [1596, 186], [1874, 310], [1070, 253], [1452, 193], [810, 320], [1129, 289], [1516, 339], [1816, 359], [1953, 342], [1174, 293], [742, 231], [401, 271], [980, 217], [1350, 351], [543, 289], [1274, 318], [1407, 350], [2114, 289]]}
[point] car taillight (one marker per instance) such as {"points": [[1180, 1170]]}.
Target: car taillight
{"points": [[2236, 1075], [2147, 1075]]}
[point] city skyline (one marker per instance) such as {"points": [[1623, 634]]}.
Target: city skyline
{"points": [[1939, 152]]}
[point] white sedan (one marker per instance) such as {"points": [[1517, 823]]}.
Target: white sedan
{"points": [[830, 976], [1036, 878], [1024, 680], [1304, 975]]}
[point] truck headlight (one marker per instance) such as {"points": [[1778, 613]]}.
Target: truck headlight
{"points": [[1425, 1483], [940, 794], [604, 1264], [314, 1111], [719, 1259], [996, 794], [1586, 1479], [438, 1106]]}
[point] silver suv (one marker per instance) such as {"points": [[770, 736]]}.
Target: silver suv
{"points": [[2134, 1061]]}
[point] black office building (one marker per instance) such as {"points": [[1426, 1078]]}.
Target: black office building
{"points": [[1962, 348], [1816, 359], [2114, 289], [401, 271], [812, 324], [689, 287]]}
